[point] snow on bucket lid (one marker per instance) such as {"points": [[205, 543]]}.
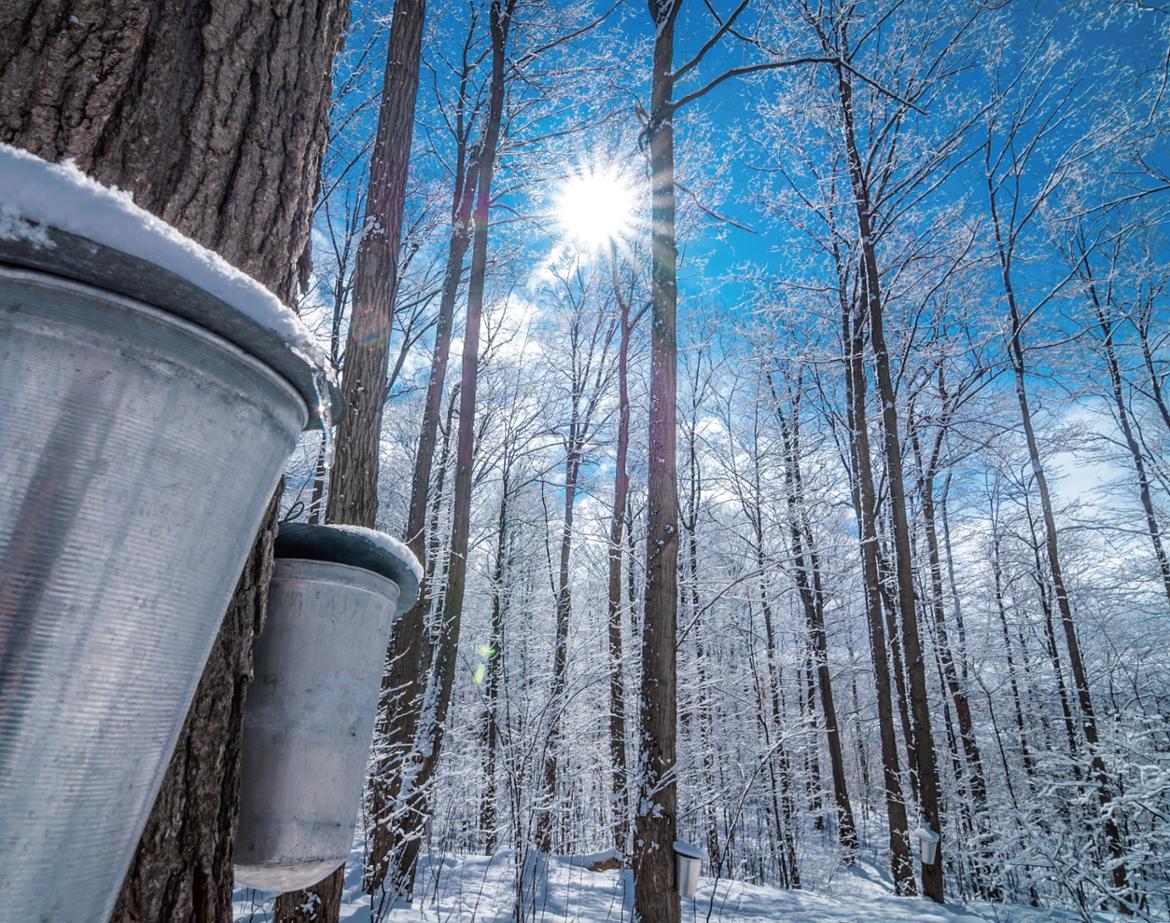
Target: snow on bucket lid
{"points": [[689, 850], [357, 547], [55, 219]]}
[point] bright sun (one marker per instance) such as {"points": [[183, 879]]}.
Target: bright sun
{"points": [[595, 207]]}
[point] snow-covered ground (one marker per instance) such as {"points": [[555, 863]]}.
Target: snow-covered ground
{"points": [[479, 889]]}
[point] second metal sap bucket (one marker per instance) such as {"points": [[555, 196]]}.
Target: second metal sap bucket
{"points": [[309, 715], [145, 423]]}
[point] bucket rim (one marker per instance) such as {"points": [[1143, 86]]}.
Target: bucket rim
{"points": [[334, 545], [333, 572], [689, 850], [132, 306], [77, 259]]}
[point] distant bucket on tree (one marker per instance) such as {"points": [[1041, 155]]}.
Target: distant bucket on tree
{"points": [[688, 863], [310, 711], [145, 424], [927, 841]]}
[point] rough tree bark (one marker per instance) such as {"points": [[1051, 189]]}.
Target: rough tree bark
{"points": [[865, 505], [213, 116], [656, 825], [353, 488]]}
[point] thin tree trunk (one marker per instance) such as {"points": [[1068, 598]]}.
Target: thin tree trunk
{"points": [[897, 665], [494, 674], [702, 696], [928, 468], [780, 796], [808, 714], [1101, 310], [1001, 610], [1045, 594], [789, 840], [689, 521], [1145, 316], [955, 597], [655, 895], [621, 485], [340, 295], [588, 374], [564, 613]]}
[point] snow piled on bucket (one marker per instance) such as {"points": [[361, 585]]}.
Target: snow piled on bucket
{"points": [[38, 193], [386, 543]]}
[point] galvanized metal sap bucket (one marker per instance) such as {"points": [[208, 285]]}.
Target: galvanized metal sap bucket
{"points": [[310, 710], [688, 863], [139, 454]]}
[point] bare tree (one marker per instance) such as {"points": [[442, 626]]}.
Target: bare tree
{"points": [[590, 337]]}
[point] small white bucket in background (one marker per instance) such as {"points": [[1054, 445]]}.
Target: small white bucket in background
{"points": [[688, 863]]}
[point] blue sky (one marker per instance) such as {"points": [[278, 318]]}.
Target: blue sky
{"points": [[715, 254]]}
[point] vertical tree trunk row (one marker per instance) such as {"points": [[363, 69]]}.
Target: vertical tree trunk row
{"points": [[927, 769], [1051, 543], [808, 584]]}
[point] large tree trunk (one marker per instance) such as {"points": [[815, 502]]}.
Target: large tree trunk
{"points": [[353, 489], [655, 895], [865, 503], [865, 508], [213, 117]]}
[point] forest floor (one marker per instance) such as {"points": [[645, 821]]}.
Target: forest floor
{"points": [[480, 889]]}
